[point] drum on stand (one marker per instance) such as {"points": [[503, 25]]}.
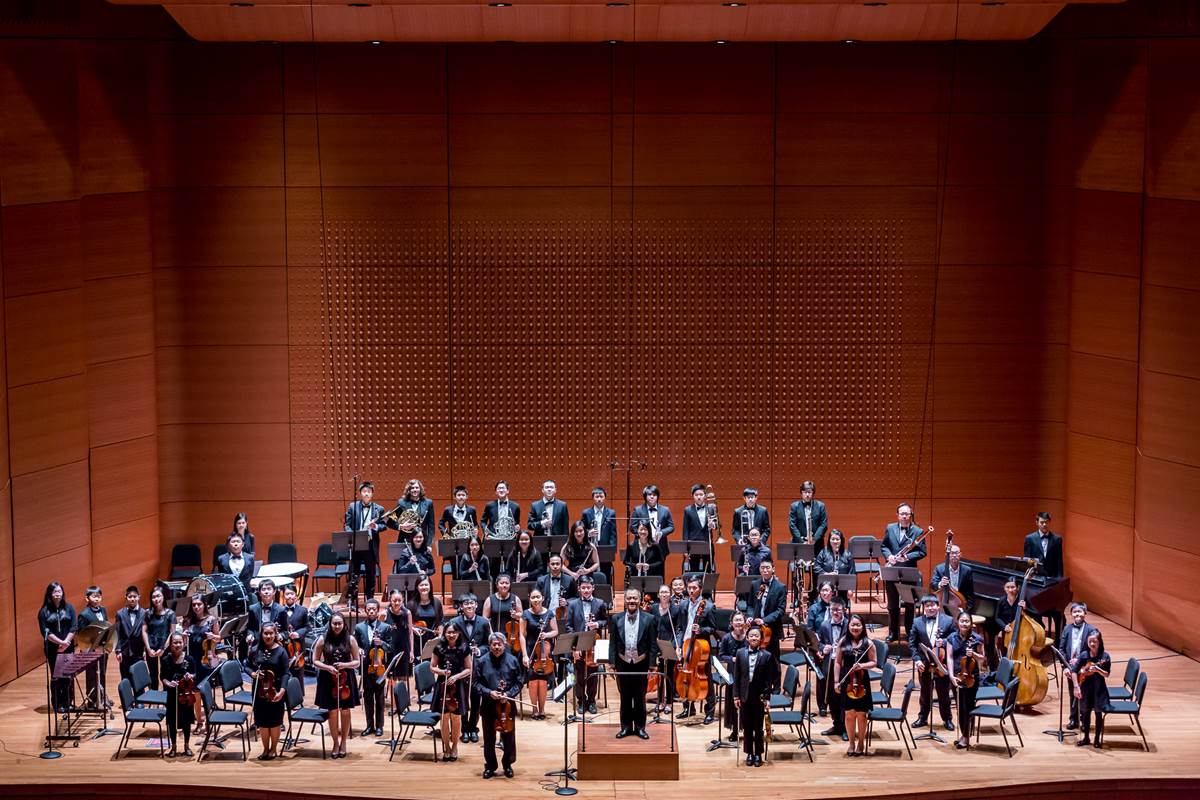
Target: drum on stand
{"points": [[224, 594]]}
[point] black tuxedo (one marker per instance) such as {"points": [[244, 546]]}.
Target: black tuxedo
{"points": [[566, 588], [246, 573], [297, 620], [607, 526], [666, 523], [1052, 559], [820, 523], [759, 518], [893, 541], [753, 690], [424, 509], [356, 518], [918, 634], [632, 687], [560, 523], [374, 699], [772, 609], [491, 513], [829, 633], [448, 519], [273, 613], [130, 646], [696, 531], [966, 582], [575, 619]]}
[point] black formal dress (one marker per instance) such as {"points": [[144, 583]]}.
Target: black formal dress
{"points": [[1095, 692], [534, 625], [327, 695], [477, 630], [61, 622], [399, 644], [728, 648], [966, 695], [180, 716], [530, 562], [268, 712], [158, 630], [453, 659], [851, 654]]}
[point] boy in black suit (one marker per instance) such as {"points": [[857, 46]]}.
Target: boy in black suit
{"points": [[755, 675]]}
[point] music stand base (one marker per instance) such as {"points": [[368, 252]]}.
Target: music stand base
{"points": [[566, 791], [106, 732], [931, 736], [562, 773], [719, 744], [48, 754], [1060, 734]]}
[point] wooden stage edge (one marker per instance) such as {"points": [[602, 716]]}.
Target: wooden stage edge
{"points": [[602, 756], [1043, 768]]}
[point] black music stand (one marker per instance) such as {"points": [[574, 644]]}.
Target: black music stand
{"points": [[870, 549], [405, 582], [689, 549], [842, 584], [603, 591], [930, 660], [905, 578], [1063, 668], [346, 544], [606, 553], [811, 645], [668, 653], [553, 542], [450, 550], [522, 589], [481, 590], [646, 584], [722, 680], [497, 551], [66, 667], [564, 643], [735, 554]]}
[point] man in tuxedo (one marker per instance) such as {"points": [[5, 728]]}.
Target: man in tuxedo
{"points": [[1071, 644], [698, 524], [654, 514], [755, 676], [457, 512], [96, 674], [633, 636], [234, 561], [556, 586], [293, 627], [130, 621], [807, 517], [1046, 546], [548, 515], [373, 631], [598, 517], [584, 613], [766, 608], [691, 624], [500, 507], [829, 636], [959, 577], [364, 515], [750, 516], [924, 637], [895, 537], [498, 678]]}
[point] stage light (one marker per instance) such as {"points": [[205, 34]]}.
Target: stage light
{"points": [[499, 5], [733, 5], [241, 5], [375, 42], [721, 41], [849, 41], [612, 41]]}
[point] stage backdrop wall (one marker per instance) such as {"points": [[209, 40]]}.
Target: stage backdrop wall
{"points": [[235, 276]]}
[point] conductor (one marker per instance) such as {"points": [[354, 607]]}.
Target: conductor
{"points": [[633, 636]]}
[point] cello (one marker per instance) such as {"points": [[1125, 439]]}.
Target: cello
{"points": [[953, 600], [691, 676], [1024, 645]]}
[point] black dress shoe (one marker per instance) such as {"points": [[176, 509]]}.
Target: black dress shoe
{"points": [[464, 738], [758, 761], [919, 722], [1084, 742], [508, 773], [684, 714], [641, 732], [824, 712], [621, 734], [949, 725], [749, 761], [845, 737], [731, 737], [708, 719], [367, 732], [475, 736], [592, 708], [487, 773], [830, 731], [1071, 726]]}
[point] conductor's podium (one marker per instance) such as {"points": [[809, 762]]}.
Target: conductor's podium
{"points": [[603, 757]]}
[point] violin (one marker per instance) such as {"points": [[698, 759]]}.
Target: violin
{"points": [[543, 662], [652, 680], [589, 658], [764, 629], [691, 676], [343, 684], [853, 682], [377, 661], [295, 651], [449, 697], [512, 630], [208, 649], [266, 685], [186, 690], [504, 714], [969, 666]]}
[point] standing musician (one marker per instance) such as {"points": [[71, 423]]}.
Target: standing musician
{"points": [[896, 536], [175, 665], [925, 638], [235, 561], [1047, 547], [473, 565], [400, 623], [266, 610], [642, 556], [601, 524], [829, 638], [556, 586], [960, 577], [1072, 643], [475, 632], [678, 591], [584, 614], [753, 553], [538, 631], [855, 656], [426, 612], [414, 498], [160, 623], [203, 636], [664, 612], [698, 525], [807, 518], [131, 627], [819, 610], [498, 682], [750, 516], [767, 605], [336, 656], [633, 637], [241, 526], [525, 562], [457, 512], [548, 516], [96, 673], [691, 624], [1088, 671], [269, 668], [293, 627], [755, 676], [731, 644], [964, 658], [365, 515], [416, 558], [56, 619], [500, 507], [374, 637], [452, 661], [502, 606], [580, 557], [835, 559], [657, 516]]}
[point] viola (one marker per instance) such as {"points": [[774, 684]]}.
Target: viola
{"points": [[504, 714], [512, 630], [295, 651], [343, 687], [969, 671], [589, 657], [652, 681], [377, 661], [266, 685], [691, 676], [187, 690], [543, 662], [208, 649]]}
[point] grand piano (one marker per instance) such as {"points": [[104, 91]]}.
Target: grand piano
{"points": [[1044, 594]]}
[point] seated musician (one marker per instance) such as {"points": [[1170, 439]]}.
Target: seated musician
{"points": [[473, 565], [498, 682], [457, 513], [236, 562], [373, 632], [525, 562], [925, 639], [829, 637], [750, 516], [963, 656], [767, 605], [755, 675], [475, 630], [416, 558], [632, 635], [585, 613], [580, 557], [835, 559], [731, 644], [642, 557], [293, 627], [269, 669], [1071, 644], [753, 553], [691, 624], [960, 578]]}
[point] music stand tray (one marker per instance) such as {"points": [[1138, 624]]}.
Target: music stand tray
{"points": [[795, 551], [405, 582], [744, 584], [451, 548], [904, 575], [607, 553], [603, 591], [646, 584], [840, 583], [553, 542], [481, 589], [522, 589]]}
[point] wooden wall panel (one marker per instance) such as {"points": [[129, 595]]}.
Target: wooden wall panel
{"points": [[250, 455], [530, 150], [217, 150], [38, 351], [383, 150], [1168, 426], [1025, 459], [703, 150], [1100, 476], [124, 482], [200, 306], [1168, 501], [224, 227], [37, 532], [113, 128], [125, 554], [189, 77], [1103, 398], [1104, 315], [223, 384], [116, 234], [1175, 127], [41, 248], [1165, 588], [1007, 149], [686, 78], [1170, 244], [72, 567], [121, 402], [1170, 337], [1021, 383], [530, 79], [1107, 232], [120, 317], [1018, 305], [48, 424], [1110, 154], [352, 79], [1002, 225], [40, 145], [1099, 558], [866, 149]]}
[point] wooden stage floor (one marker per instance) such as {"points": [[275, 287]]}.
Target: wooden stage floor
{"points": [[1170, 769]]}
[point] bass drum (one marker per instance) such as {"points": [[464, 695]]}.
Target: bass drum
{"points": [[224, 594]]}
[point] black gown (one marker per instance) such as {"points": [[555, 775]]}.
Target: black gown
{"points": [[534, 625], [851, 654], [327, 696], [178, 716], [268, 713], [453, 659], [60, 622]]}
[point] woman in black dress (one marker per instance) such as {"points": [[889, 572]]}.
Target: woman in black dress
{"points": [[834, 559], [419, 558], [56, 619], [579, 555], [855, 655], [473, 565], [727, 650], [174, 666], [642, 551], [335, 656], [160, 623], [1088, 671], [663, 612], [525, 562], [451, 662], [269, 668], [538, 625], [502, 606], [203, 635], [241, 526], [964, 654], [400, 618], [427, 616]]}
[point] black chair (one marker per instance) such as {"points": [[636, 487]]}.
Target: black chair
{"points": [[799, 721], [996, 692], [881, 654], [185, 562], [883, 695], [1125, 691], [425, 680], [217, 718], [860, 547], [229, 678], [327, 567], [786, 696], [139, 678], [896, 719], [282, 552], [409, 720], [300, 714], [137, 716], [218, 551], [1006, 710], [1132, 708]]}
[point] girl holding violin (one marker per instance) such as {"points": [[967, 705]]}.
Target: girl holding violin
{"points": [[1088, 671], [502, 606], [855, 656], [451, 661], [203, 636], [473, 565], [538, 630], [963, 656], [335, 657], [579, 556], [269, 662], [177, 669], [427, 616], [525, 562], [160, 622]]}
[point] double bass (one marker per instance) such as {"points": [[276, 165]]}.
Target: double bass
{"points": [[1024, 645], [691, 676], [953, 600]]}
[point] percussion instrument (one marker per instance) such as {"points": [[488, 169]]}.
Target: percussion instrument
{"points": [[223, 594]]}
